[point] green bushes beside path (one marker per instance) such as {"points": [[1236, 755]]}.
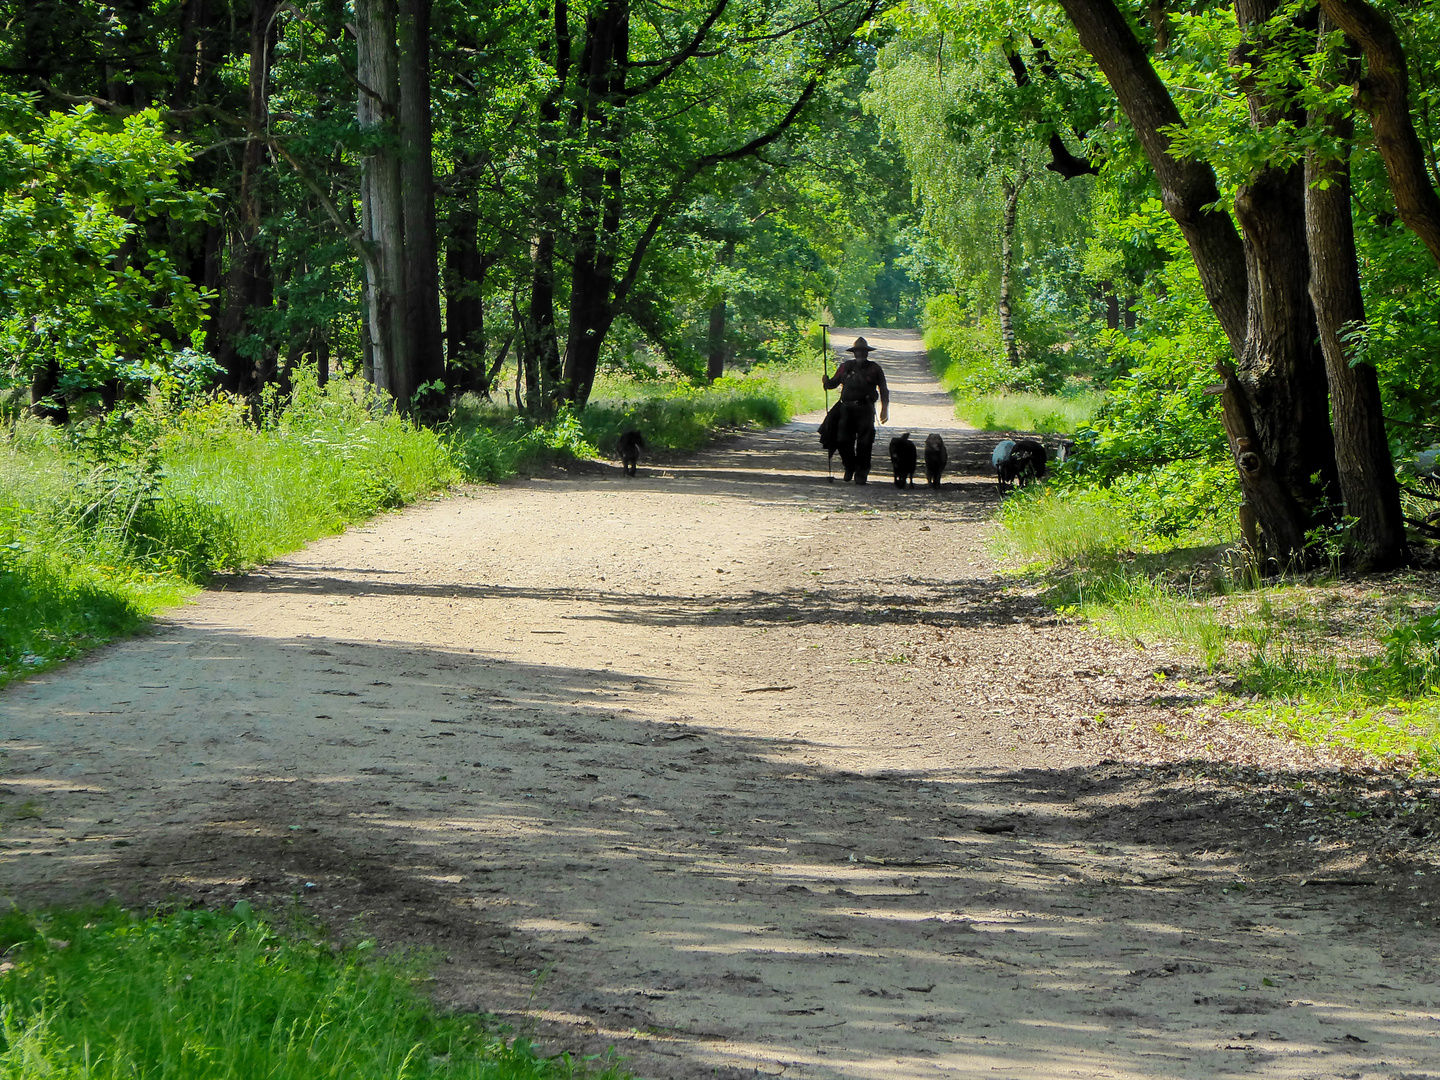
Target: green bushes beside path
{"points": [[108, 520], [101, 995]]}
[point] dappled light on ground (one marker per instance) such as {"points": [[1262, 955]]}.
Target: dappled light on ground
{"points": [[739, 782]]}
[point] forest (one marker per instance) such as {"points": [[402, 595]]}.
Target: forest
{"points": [[269, 268]]}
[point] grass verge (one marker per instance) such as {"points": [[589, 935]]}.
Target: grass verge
{"points": [[1327, 660], [107, 521], [1016, 411], [100, 995]]}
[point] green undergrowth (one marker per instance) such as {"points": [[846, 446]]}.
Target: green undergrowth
{"points": [[194, 995], [1324, 659], [106, 521], [1019, 411]]}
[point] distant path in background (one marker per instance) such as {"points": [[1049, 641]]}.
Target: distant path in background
{"points": [[742, 772]]}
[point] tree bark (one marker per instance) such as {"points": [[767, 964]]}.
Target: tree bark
{"points": [[1376, 540], [382, 206], [465, 271], [592, 279], [247, 282], [715, 340], [1276, 414], [539, 342], [1187, 188], [1011, 190], [425, 349], [1385, 95]]}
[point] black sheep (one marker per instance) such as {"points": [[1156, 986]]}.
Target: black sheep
{"points": [[902, 459], [1021, 460], [1029, 456], [630, 444], [936, 458]]}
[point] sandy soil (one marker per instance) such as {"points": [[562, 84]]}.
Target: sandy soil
{"points": [[743, 772]]}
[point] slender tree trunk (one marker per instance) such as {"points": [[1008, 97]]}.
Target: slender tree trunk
{"points": [[540, 343], [247, 281], [425, 348], [381, 200], [1362, 450], [715, 340], [1011, 190]]}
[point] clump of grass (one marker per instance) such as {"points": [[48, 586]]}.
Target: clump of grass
{"points": [[105, 521], [1298, 656], [101, 995], [1017, 411]]}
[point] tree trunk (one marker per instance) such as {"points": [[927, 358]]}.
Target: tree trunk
{"points": [[715, 340], [381, 200], [592, 280], [425, 349], [1007, 264], [465, 270], [539, 340], [1385, 95], [1362, 451], [1187, 187], [1276, 414], [247, 281]]}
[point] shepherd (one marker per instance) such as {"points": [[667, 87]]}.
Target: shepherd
{"points": [[861, 381]]}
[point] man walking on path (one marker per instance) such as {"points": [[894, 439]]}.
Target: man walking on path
{"points": [[861, 381]]}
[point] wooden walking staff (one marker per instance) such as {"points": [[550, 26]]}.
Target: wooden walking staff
{"points": [[825, 361]]}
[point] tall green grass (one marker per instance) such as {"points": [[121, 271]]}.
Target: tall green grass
{"points": [[1018, 411], [106, 521], [105, 995]]}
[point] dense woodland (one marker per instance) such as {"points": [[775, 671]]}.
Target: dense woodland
{"points": [[1222, 217]]}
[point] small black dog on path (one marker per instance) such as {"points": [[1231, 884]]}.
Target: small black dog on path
{"points": [[936, 458], [902, 459], [630, 444]]}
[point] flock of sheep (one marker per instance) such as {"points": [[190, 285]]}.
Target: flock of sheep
{"points": [[1015, 461]]}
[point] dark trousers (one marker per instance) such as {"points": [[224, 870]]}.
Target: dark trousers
{"points": [[857, 437]]}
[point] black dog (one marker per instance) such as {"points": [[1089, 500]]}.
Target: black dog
{"points": [[630, 444], [902, 459], [936, 458]]}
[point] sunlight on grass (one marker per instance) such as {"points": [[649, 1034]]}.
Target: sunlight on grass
{"points": [[1015, 411], [1307, 658], [101, 995]]}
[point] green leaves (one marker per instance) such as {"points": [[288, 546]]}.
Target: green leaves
{"points": [[82, 287]]}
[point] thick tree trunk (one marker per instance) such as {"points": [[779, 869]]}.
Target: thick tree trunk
{"points": [[1011, 191], [381, 200], [1385, 96], [592, 280], [425, 348], [248, 280], [1362, 450], [1276, 415], [465, 270]]}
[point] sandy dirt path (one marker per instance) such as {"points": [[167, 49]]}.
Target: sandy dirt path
{"points": [[742, 772]]}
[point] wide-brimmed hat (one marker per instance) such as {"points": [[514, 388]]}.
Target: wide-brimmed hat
{"points": [[861, 347]]}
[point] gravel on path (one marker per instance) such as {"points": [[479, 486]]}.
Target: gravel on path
{"points": [[743, 772]]}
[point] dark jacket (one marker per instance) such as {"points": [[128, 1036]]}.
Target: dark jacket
{"points": [[859, 380]]}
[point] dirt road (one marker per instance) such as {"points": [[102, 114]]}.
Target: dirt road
{"points": [[743, 772]]}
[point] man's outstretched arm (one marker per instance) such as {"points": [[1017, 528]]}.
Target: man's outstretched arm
{"points": [[830, 382]]}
